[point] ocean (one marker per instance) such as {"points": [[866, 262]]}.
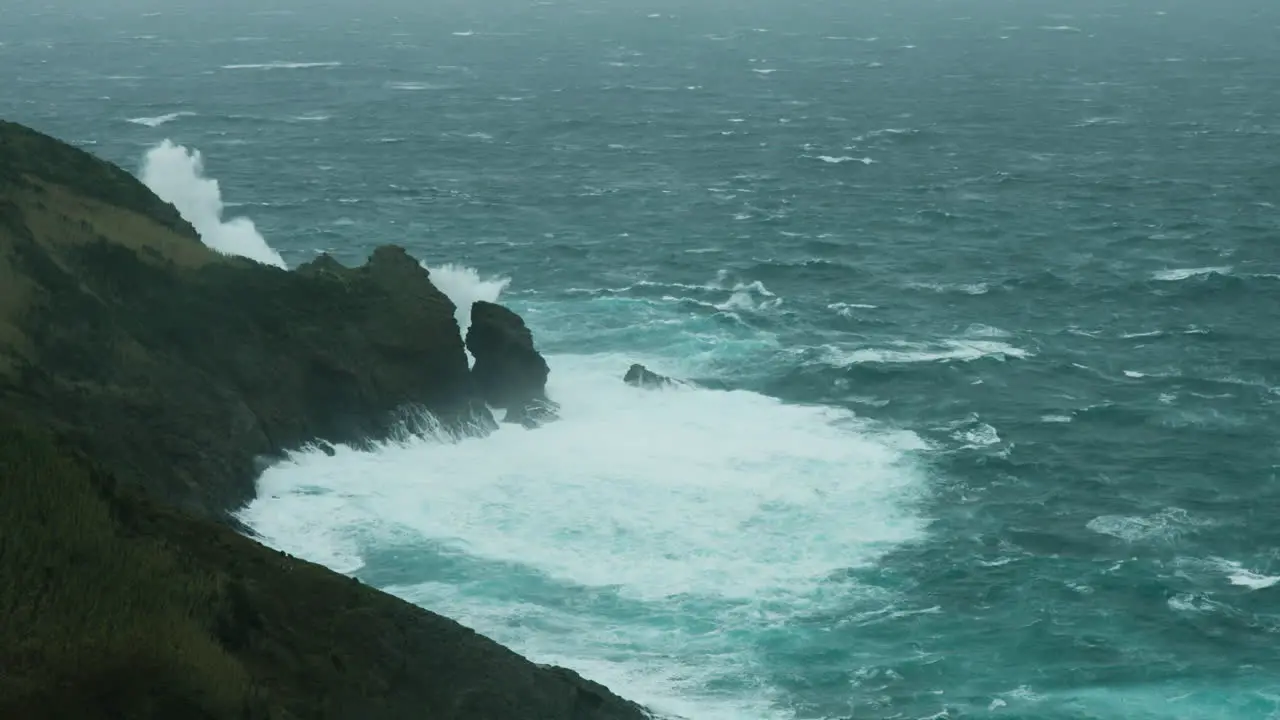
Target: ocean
{"points": [[981, 300]]}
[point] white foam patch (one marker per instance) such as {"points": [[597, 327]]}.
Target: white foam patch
{"points": [[956, 350], [282, 65], [966, 288], [1188, 273], [840, 160], [744, 295], [1165, 526], [1239, 575], [159, 120], [712, 514], [978, 436], [176, 175], [849, 310], [414, 86]]}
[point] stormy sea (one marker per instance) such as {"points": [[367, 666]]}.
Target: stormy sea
{"points": [[980, 300]]}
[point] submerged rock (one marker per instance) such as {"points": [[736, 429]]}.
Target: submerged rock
{"points": [[642, 377], [509, 372]]}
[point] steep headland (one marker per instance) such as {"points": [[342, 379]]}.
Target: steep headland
{"points": [[144, 380]]}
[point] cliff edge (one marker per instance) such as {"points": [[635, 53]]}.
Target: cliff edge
{"points": [[144, 380]]}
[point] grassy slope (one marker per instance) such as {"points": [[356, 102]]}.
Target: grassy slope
{"points": [[118, 608]]}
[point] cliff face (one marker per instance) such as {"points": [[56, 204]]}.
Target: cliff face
{"points": [[143, 380], [179, 367]]}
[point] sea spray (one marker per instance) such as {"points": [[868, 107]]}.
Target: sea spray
{"points": [[176, 175], [464, 286]]}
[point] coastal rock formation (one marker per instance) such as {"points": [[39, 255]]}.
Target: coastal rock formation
{"points": [[509, 372], [143, 381], [642, 377], [177, 366], [117, 607]]}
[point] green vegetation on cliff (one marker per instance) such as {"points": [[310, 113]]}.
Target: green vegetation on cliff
{"points": [[116, 607], [100, 621], [27, 156]]}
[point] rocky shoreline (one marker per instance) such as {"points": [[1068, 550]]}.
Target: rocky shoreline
{"points": [[145, 380]]}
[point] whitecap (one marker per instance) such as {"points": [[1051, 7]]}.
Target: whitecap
{"points": [[966, 288], [832, 160], [909, 352], [1188, 273], [1164, 526], [980, 330], [847, 309], [1194, 603], [159, 120], [979, 435], [415, 86], [1239, 575], [743, 298], [282, 65]]}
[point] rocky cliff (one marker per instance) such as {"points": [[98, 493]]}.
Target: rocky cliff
{"points": [[144, 379]]}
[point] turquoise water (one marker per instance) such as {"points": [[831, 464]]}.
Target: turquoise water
{"points": [[983, 297]]}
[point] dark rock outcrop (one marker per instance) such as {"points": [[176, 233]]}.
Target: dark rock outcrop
{"points": [[642, 377], [177, 366], [143, 380], [509, 372]]}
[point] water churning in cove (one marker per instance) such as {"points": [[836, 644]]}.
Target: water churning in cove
{"points": [[979, 298]]}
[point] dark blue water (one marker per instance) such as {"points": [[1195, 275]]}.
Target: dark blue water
{"points": [[989, 290]]}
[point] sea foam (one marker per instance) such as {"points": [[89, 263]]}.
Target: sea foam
{"points": [[640, 539]]}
